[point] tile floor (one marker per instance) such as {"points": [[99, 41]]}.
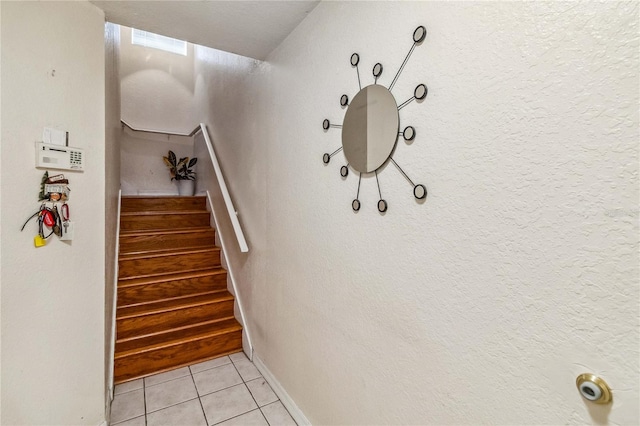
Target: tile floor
{"points": [[224, 391]]}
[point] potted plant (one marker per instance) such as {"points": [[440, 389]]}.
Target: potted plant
{"points": [[182, 171]]}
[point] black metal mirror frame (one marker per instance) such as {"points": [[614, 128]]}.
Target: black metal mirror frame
{"points": [[408, 134]]}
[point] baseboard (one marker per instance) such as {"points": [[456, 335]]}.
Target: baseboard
{"points": [[156, 193], [246, 337], [112, 345], [286, 400]]}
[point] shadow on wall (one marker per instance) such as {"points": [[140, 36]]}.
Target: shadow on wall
{"points": [[142, 170], [157, 87], [135, 58]]}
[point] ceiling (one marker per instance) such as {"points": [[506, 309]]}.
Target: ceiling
{"points": [[248, 28]]}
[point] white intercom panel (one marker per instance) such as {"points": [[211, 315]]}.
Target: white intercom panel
{"points": [[50, 156]]}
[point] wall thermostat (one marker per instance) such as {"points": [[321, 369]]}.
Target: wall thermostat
{"points": [[50, 156]]}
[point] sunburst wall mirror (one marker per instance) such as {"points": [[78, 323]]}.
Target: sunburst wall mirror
{"points": [[371, 127]]}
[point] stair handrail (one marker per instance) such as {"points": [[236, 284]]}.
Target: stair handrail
{"points": [[161, 132], [231, 210]]}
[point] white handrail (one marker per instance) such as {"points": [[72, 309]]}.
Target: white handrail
{"points": [[160, 132], [233, 214]]}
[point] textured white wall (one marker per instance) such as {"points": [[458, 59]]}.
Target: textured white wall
{"points": [[53, 355], [229, 89], [113, 134], [520, 270], [157, 87], [143, 171], [157, 90]]}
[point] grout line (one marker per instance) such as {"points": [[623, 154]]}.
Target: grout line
{"points": [[249, 390], [218, 390], [237, 371], [144, 400], [125, 421], [207, 394], [285, 409], [198, 393], [172, 405], [210, 368], [167, 381], [235, 417], [265, 417], [126, 392]]}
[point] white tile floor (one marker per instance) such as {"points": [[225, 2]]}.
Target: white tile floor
{"points": [[224, 391]]}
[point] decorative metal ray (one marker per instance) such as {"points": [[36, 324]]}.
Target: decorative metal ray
{"points": [[349, 129]]}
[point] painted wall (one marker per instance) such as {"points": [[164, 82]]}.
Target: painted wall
{"points": [[157, 93], [157, 87], [142, 170], [113, 134], [53, 298], [229, 94], [519, 272]]}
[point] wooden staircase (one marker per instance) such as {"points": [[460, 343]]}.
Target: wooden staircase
{"points": [[173, 305]]}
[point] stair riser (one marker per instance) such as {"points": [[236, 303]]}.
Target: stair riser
{"points": [[147, 324], [138, 243], [163, 221], [163, 204], [168, 264], [169, 289], [140, 365]]}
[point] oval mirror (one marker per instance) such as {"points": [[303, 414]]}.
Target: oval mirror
{"points": [[419, 191], [370, 128], [377, 70], [420, 92], [409, 133], [419, 34]]}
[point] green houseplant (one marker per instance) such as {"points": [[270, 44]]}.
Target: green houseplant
{"points": [[182, 171]]}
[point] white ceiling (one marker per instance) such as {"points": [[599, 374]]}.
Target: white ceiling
{"points": [[248, 28]]}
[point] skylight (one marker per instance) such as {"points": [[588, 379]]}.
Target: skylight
{"points": [[157, 41]]}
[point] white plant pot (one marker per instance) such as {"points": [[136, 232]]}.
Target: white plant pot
{"points": [[186, 187]]}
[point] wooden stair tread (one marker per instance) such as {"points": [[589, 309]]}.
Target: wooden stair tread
{"points": [[149, 252], [174, 308], [160, 197], [137, 203], [171, 252], [163, 213], [136, 281], [172, 304], [176, 299], [152, 232], [176, 337], [145, 339]]}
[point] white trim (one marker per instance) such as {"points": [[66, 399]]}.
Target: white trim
{"points": [[112, 345], [286, 400], [233, 214], [104, 423], [231, 276]]}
